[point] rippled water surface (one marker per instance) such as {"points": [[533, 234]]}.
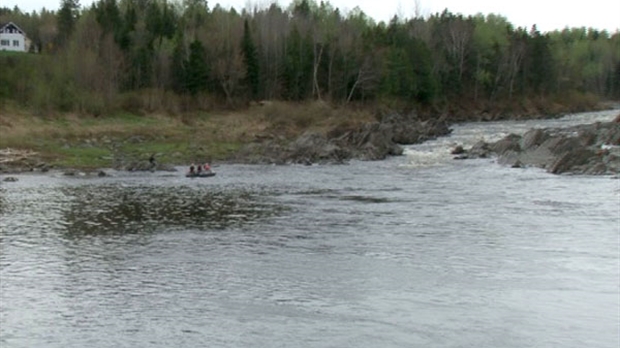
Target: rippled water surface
{"points": [[414, 251]]}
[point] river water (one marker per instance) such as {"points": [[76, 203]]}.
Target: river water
{"points": [[414, 251]]}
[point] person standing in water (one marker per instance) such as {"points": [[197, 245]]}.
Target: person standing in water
{"points": [[152, 163]]}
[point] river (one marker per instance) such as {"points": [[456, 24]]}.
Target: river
{"points": [[414, 251]]}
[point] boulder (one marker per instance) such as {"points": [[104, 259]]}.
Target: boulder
{"points": [[374, 142], [560, 144], [609, 135], [409, 129], [313, 147], [508, 143], [568, 161], [532, 138], [481, 149]]}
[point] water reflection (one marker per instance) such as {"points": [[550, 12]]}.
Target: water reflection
{"points": [[112, 209]]}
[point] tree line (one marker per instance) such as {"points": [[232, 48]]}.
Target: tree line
{"points": [[106, 55]]}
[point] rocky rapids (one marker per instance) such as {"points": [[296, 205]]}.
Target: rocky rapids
{"points": [[592, 149]]}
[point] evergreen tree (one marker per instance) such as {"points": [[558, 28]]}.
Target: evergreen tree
{"points": [[297, 74], [250, 58], [177, 68], [168, 21], [614, 82], [108, 15], [66, 18], [109, 18], [141, 67], [129, 21], [196, 71], [153, 22], [301, 9], [408, 69], [541, 74]]}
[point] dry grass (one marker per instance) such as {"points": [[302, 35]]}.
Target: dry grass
{"points": [[279, 118], [290, 120], [88, 141]]}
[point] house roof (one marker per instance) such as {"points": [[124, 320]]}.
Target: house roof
{"points": [[3, 27]]}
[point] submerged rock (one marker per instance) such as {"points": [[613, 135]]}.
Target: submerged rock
{"points": [[142, 166], [458, 150]]}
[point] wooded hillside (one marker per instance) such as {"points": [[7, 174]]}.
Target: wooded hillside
{"points": [[184, 55]]}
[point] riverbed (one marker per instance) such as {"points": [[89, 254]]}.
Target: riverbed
{"points": [[414, 251]]}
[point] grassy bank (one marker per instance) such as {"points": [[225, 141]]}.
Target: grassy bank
{"points": [[88, 142]]}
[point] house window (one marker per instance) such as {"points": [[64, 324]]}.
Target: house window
{"points": [[4, 42], [15, 43]]}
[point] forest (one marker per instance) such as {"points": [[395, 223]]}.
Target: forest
{"points": [[177, 56]]}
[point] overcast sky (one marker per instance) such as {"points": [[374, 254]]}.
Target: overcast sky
{"points": [[546, 14]]}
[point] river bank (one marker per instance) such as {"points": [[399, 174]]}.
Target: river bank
{"points": [[269, 132]]}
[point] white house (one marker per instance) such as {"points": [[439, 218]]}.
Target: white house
{"points": [[12, 38]]}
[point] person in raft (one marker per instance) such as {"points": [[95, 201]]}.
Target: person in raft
{"points": [[191, 169], [207, 167]]}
